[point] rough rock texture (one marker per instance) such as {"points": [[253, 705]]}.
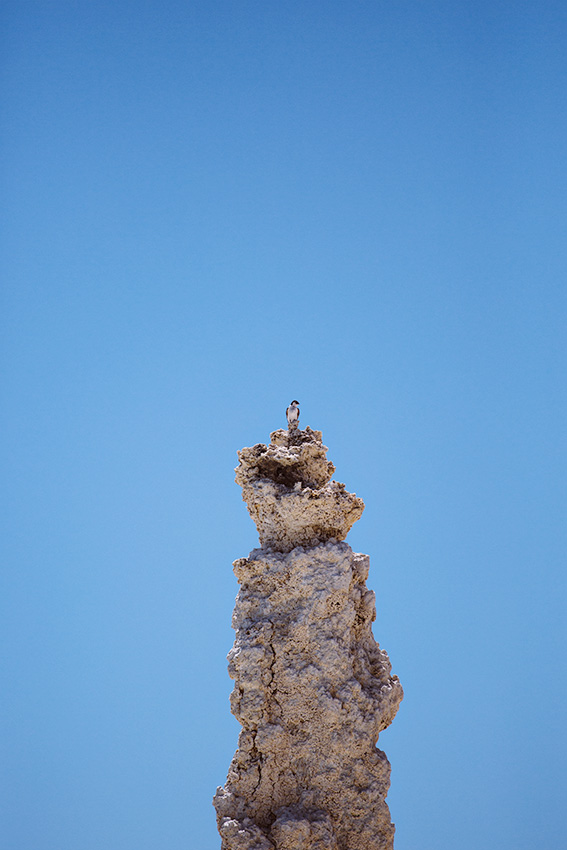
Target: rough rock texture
{"points": [[312, 687], [290, 496]]}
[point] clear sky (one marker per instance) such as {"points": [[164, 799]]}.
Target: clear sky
{"points": [[211, 208]]}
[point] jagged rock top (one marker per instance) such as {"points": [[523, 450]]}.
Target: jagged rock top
{"points": [[292, 457], [289, 493]]}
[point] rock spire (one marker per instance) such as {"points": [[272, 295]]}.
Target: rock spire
{"points": [[313, 689]]}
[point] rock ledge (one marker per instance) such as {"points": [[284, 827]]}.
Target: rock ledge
{"points": [[289, 493]]}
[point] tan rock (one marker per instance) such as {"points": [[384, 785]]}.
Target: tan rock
{"points": [[312, 688], [289, 493]]}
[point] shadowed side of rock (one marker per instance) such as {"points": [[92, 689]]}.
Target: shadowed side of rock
{"points": [[312, 688]]}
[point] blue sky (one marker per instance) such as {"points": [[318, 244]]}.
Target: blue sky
{"points": [[212, 208]]}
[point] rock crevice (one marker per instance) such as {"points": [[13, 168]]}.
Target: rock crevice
{"points": [[313, 689]]}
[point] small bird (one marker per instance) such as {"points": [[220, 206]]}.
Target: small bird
{"points": [[292, 413]]}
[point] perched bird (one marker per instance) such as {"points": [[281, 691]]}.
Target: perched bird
{"points": [[292, 413]]}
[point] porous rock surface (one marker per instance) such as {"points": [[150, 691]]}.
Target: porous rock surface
{"points": [[290, 496], [312, 688]]}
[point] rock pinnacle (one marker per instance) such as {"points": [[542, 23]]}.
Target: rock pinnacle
{"points": [[313, 689]]}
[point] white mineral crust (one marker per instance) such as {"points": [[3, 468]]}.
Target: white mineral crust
{"points": [[313, 689]]}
